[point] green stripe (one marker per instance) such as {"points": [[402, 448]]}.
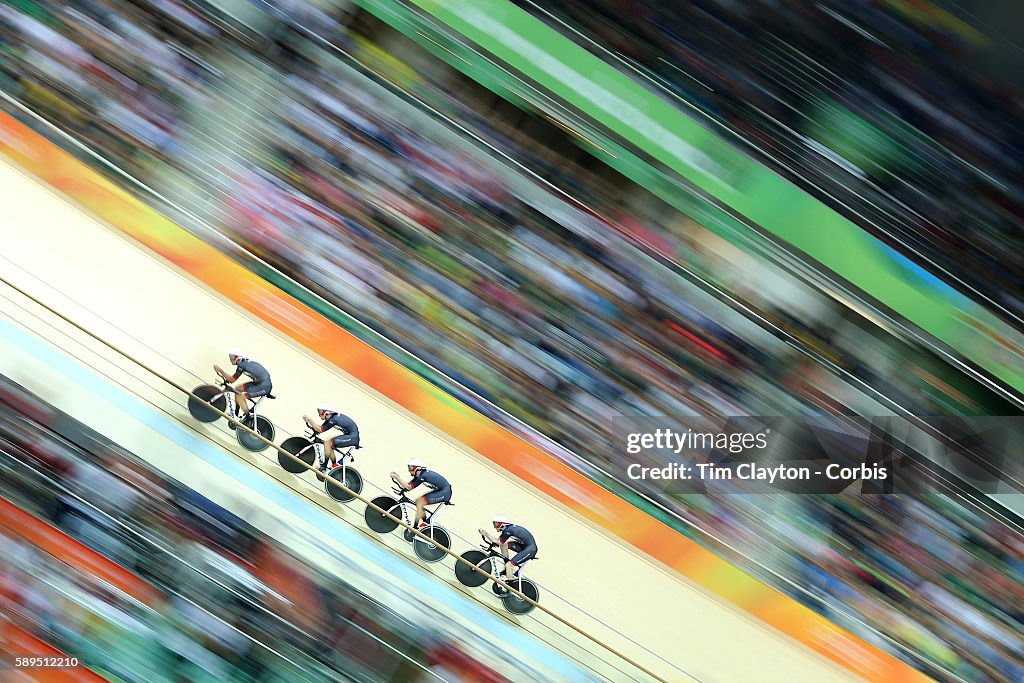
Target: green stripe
{"points": [[672, 138]]}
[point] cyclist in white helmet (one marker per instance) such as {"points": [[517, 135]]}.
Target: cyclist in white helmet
{"points": [[440, 489], [511, 537], [330, 418], [259, 385]]}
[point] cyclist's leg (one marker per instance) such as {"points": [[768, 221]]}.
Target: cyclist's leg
{"points": [[510, 571], [251, 391], [513, 566], [241, 394], [431, 498], [329, 459], [507, 568], [421, 511], [337, 443]]}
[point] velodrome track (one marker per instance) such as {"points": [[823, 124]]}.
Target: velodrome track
{"points": [[150, 310]]}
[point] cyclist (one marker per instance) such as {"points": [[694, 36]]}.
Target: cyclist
{"points": [[259, 385], [441, 490], [515, 538], [332, 419]]}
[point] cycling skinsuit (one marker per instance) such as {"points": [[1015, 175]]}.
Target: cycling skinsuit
{"points": [[349, 431], [260, 384], [521, 542], [442, 490]]}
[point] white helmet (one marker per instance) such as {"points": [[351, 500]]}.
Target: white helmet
{"points": [[235, 355], [325, 409], [415, 465], [500, 522]]}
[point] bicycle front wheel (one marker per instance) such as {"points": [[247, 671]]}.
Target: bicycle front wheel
{"points": [[468, 577], [301, 449], [382, 524], [209, 399]]}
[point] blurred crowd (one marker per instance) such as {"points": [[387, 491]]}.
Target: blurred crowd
{"points": [[116, 73], [208, 597], [433, 251], [562, 325], [931, 152]]}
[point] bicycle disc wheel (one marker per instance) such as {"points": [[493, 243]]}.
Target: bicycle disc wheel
{"points": [[432, 552], [468, 577], [264, 427], [515, 604], [353, 481], [382, 524], [295, 446], [201, 409]]}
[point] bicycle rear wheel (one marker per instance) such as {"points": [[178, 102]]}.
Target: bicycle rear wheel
{"points": [[264, 428], [200, 408], [353, 481], [432, 552], [515, 604]]}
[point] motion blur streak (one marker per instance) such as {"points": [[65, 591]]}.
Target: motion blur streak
{"points": [[331, 146], [389, 434]]}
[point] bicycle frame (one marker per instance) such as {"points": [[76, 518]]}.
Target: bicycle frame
{"points": [[497, 570], [428, 514], [405, 504], [229, 395], [321, 453], [342, 457]]}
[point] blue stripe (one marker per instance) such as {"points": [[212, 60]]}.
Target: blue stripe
{"points": [[325, 523]]}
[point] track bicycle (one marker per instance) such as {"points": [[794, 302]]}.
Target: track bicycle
{"points": [[207, 399], [403, 507], [489, 559], [310, 449]]}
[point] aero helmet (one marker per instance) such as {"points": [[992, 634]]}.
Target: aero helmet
{"points": [[235, 355], [416, 466], [325, 409], [501, 521]]}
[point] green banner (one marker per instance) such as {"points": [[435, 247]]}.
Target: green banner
{"points": [[665, 133]]}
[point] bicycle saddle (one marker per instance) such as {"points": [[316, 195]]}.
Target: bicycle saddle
{"points": [[271, 397]]}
